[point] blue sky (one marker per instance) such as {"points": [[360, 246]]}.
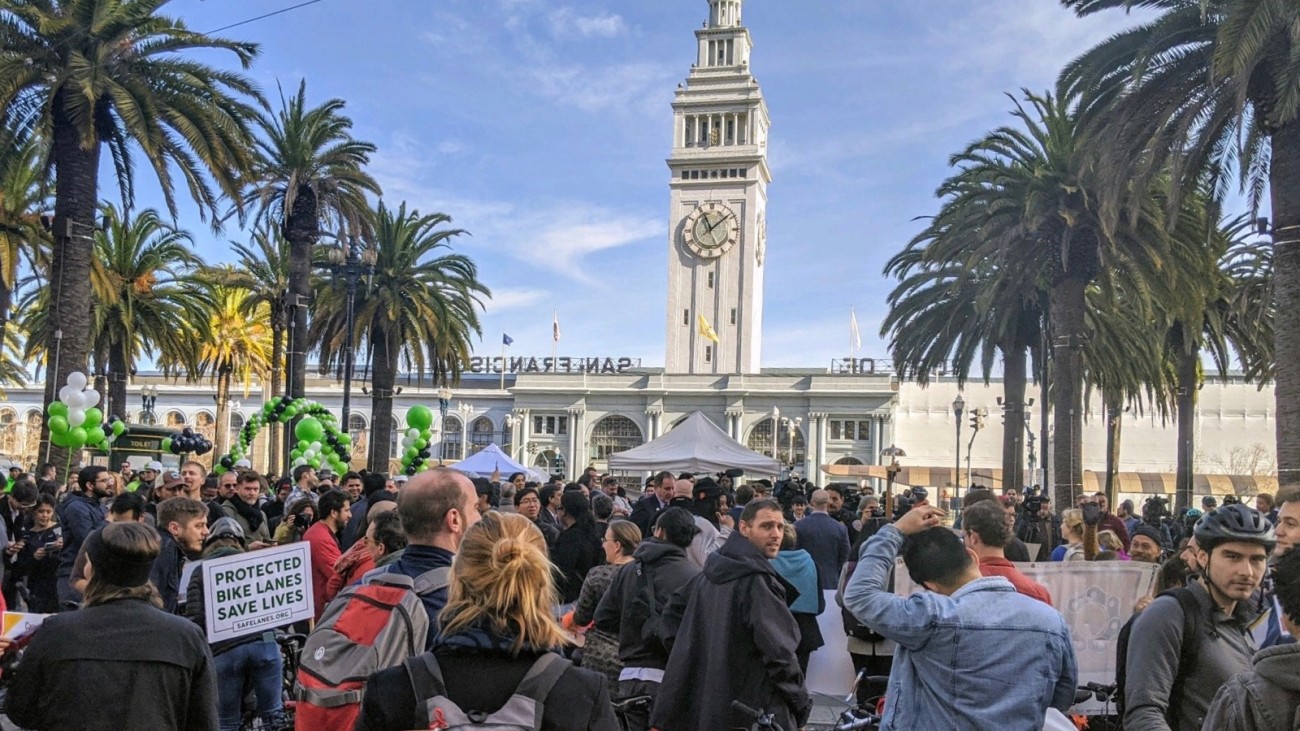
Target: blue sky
{"points": [[542, 126]]}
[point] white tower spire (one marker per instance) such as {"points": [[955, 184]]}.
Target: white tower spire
{"points": [[718, 205]]}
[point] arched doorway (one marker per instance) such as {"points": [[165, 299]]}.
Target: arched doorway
{"points": [[480, 434], [452, 437], [614, 434], [790, 447]]}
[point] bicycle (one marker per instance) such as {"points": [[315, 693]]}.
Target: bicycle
{"points": [[763, 721], [1105, 693], [290, 645], [865, 716], [623, 706]]}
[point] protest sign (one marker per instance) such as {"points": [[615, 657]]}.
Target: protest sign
{"points": [[256, 591]]}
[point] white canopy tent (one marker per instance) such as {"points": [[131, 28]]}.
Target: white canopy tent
{"points": [[491, 458], [695, 445]]}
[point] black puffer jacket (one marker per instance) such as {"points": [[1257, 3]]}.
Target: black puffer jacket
{"points": [[758, 636], [617, 614]]}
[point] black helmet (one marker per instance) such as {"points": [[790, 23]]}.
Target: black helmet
{"points": [[1234, 522], [226, 527]]}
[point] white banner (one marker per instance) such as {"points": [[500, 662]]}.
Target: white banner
{"points": [[257, 591], [1095, 598]]}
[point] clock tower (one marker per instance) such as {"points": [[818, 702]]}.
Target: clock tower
{"points": [[718, 231]]}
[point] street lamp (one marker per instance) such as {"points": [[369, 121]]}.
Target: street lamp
{"points": [[791, 426], [508, 425], [148, 399], [776, 417], [354, 264], [465, 410], [892, 470], [958, 406]]}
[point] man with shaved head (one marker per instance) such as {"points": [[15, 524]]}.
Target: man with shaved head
{"points": [[436, 507], [824, 538]]}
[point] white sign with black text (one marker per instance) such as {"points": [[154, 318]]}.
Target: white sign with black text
{"points": [[257, 591]]}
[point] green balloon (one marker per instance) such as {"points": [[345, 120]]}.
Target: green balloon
{"points": [[309, 430], [77, 438], [314, 462], [93, 417], [419, 417], [295, 454], [420, 443], [345, 439], [58, 408], [58, 425], [288, 414], [119, 428], [59, 439], [411, 453], [219, 470], [95, 435], [166, 445]]}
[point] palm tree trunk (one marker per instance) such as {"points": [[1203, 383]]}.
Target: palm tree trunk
{"points": [[277, 382], [222, 436], [1067, 314], [1014, 379], [1114, 426], [384, 360], [300, 231], [1188, 385], [76, 178], [1284, 182]]}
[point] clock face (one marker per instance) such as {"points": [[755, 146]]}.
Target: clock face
{"points": [[711, 230]]}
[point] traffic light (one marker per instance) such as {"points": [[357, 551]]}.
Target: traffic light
{"points": [[977, 419]]}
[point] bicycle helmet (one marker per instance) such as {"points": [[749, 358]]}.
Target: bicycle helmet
{"points": [[1234, 522], [226, 527]]}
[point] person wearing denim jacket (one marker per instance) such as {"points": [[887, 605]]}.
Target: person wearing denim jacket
{"points": [[972, 653]]}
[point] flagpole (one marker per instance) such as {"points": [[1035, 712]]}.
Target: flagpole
{"points": [[503, 363], [555, 340]]}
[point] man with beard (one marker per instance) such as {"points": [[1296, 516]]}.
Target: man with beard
{"points": [[182, 526], [759, 636], [80, 515], [242, 506], [1145, 544]]}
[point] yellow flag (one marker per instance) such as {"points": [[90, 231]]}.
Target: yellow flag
{"points": [[706, 330]]}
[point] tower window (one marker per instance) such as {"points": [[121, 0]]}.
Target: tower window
{"points": [[733, 315], [710, 278], [708, 354], [686, 318]]}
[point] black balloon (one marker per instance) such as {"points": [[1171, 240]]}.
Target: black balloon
{"points": [[410, 469]]}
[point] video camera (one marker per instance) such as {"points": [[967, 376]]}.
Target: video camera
{"points": [[1154, 509], [785, 490], [1033, 501]]}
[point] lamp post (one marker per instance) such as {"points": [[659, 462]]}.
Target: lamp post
{"points": [[354, 263], [148, 399], [465, 410], [892, 470], [958, 406], [791, 426], [508, 426]]}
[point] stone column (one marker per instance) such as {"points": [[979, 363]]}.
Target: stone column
{"points": [[576, 446]]}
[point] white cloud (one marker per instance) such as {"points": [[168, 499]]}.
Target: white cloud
{"points": [[566, 23], [635, 86], [513, 299]]}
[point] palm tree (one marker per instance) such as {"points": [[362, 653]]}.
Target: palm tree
{"points": [[942, 315], [263, 272], [1205, 90], [23, 182], [90, 73], [309, 174], [418, 310], [241, 350], [148, 299], [1030, 207]]}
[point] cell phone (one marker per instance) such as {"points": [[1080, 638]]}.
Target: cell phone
{"points": [[50, 546]]}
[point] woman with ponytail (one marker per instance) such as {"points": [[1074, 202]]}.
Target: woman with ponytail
{"points": [[498, 622]]}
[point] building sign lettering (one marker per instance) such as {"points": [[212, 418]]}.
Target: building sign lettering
{"points": [[487, 364]]}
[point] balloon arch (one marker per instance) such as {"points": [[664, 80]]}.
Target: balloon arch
{"points": [[321, 443]]}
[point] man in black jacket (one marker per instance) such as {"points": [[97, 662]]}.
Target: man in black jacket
{"points": [[182, 526], [750, 657], [647, 509], [80, 515], [660, 567]]}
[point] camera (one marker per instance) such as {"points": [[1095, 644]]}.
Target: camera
{"points": [[1155, 508], [1033, 501]]}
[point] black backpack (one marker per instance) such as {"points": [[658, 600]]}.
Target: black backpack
{"points": [[1186, 652]]}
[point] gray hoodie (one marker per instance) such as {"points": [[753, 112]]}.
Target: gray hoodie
{"points": [[1267, 699]]}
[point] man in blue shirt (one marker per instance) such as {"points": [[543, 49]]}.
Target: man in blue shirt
{"points": [[972, 653]]}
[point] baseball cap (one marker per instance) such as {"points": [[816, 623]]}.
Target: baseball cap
{"points": [[155, 465], [400, 479]]}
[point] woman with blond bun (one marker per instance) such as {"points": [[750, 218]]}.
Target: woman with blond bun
{"points": [[498, 627]]}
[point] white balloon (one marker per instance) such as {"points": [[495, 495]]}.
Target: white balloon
{"points": [[299, 461], [76, 417], [308, 453], [77, 380], [316, 447], [407, 442], [77, 400], [89, 397], [66, 393], [413, 433]]}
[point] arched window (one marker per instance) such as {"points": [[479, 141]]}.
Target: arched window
{"points": [[237, 422], [848, 460], [790, 445], [174, 420], [32, 438], [360, 438], [395, 440], [614, 434], [205, 424], [452, 437], [507, 438], [9, 432], [480, 434]]}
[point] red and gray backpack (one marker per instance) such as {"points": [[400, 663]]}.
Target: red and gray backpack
{"points": [[369, 626], [523, 712]]}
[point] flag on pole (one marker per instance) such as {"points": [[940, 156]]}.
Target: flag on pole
{"points": [[507, 340], [706, 330], [555, 326], [855, 337]]}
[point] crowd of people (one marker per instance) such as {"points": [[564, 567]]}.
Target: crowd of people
{"points": [[545, 604]]}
